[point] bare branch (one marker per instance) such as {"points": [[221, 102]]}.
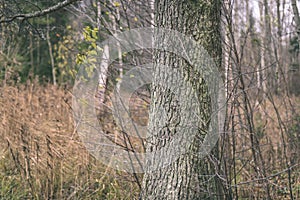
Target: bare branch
{"points": [[51, 9]]}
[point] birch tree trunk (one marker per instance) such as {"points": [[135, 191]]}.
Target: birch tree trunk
{"points": [[226, 28], [115, 20], [103, 72], [263, 47], [189, 177]]}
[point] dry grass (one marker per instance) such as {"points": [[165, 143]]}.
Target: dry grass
{"points": [[276, 132], [41, 155]]}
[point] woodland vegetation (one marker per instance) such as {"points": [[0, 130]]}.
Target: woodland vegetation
{"points": [[256, 45]]}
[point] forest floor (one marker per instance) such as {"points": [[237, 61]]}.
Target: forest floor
{"points": [[42, 156]]}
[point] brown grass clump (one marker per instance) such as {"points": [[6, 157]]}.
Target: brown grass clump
{"points": [[41, 155]]}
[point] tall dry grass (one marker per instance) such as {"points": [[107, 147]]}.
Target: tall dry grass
{"points": [[261, 148], [41, 155]]}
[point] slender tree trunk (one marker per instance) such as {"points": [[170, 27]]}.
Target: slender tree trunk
{"points": [[263, 50], [50, 52], [103, 76], [228, 134], [237, 21], [38, 54], [296, 17], [189, 177], [278, 50], [116, 25], [103, 65], [32, 68], [227, 23]]}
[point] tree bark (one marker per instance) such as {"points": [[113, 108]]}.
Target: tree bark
{"points": [[189, 177], [278, 50], [296, 17], [264, 47]]}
